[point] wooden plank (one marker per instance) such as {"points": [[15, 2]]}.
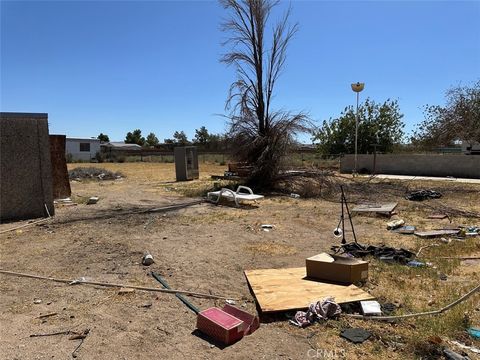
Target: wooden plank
{"points": [[288, 289], [437, 216], [435, 233], [386, 208]]}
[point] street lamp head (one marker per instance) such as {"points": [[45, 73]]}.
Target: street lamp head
{"points": [[357, 87]]}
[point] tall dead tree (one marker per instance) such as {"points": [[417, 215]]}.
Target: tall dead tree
{"points": [[261, 135]]}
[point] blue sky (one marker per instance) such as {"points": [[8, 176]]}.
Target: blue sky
{"points": [[114, 66]]}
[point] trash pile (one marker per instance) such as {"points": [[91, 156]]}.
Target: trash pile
{"points": [[93, 173], [382, 252], [420, 195]]}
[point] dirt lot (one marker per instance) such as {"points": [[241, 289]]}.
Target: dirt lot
{"points": [[205, 248]]}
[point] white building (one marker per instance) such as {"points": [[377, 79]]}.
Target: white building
{"points": [[81, 148]]}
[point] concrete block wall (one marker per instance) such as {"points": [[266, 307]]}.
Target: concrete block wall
{"points": [[25, 166], [460, 166]]}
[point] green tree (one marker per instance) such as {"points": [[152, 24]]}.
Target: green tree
{"points": [[378, 123], [103, 137], [201, 136], [180, 138], [459, 119], [135, 137], [151, 140]]}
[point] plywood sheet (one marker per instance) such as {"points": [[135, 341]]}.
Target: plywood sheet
{"points": [[386, 208], [288, 289]]}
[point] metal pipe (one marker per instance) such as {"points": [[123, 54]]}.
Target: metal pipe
{"points": [[356, 135]]}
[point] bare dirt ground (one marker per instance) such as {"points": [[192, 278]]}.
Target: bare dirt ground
{"points": [[205, 248]]}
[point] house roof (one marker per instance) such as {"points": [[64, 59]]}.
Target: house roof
{"points": [[122, 145], [82, 139]]}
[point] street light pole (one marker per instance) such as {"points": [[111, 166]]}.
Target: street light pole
{"points": [[356, 87]]}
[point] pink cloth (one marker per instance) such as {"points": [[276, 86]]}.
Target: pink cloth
{"points": [[321, 310]]}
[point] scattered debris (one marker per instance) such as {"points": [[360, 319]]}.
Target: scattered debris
{"points": [[267, 227], [452, 355], [409, 229], [293, 291], [437, 216], [415, 263], [371, 308], [237, 196], [37, 301], [466, 347], [143, 288], [382, 252], [336, 268], [395, 224], [426, 313], [470, 231], [474, 332], [65, 202], [147, 259], [81, 337], [179, 296], [388, 308], [93, 173], [381, 209], [321, 310], [124, 291], [420, 195], [295, 196], [356, 335], [425, 247], [435, 233], [92, 200], [47, 315], [453, 212], [226, 325]]}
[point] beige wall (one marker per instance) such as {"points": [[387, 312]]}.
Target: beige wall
{"points": [[462, 166]]}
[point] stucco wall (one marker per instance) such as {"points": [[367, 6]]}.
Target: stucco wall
{"points": [[462, 166], [25, 167], [72, 146]]}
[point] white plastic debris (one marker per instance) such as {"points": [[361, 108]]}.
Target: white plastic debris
{"points": [[371, 308], [395, 224], [93, 200]]}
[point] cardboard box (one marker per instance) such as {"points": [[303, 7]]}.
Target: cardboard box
{"points": [[336, 268], [220, 325]]}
